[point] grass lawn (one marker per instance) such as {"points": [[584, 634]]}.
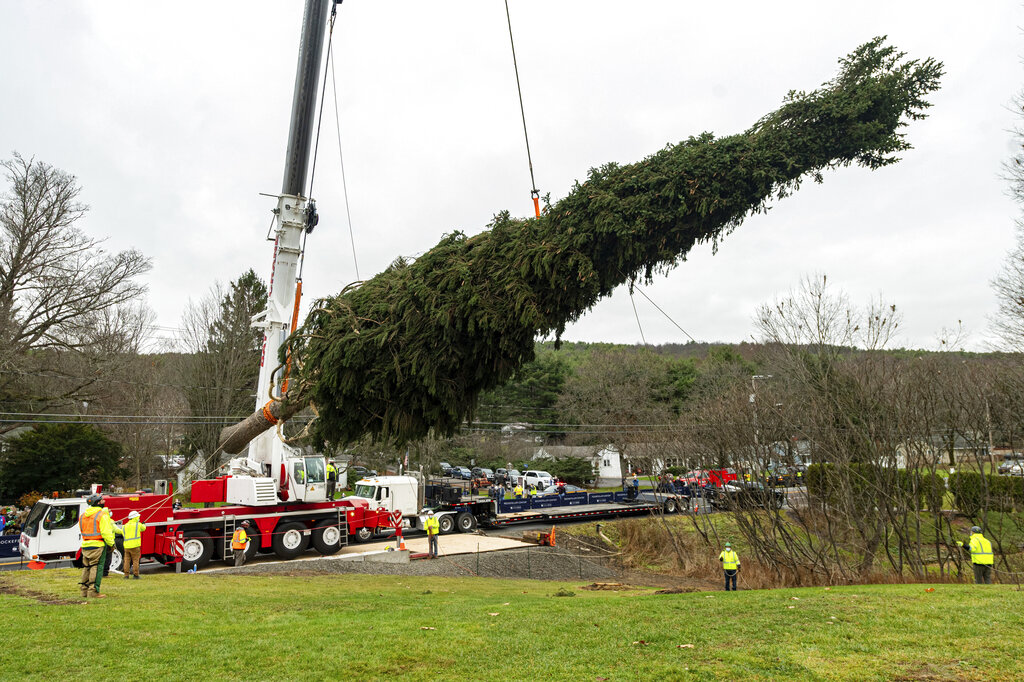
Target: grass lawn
{"points": [[211, 627]]}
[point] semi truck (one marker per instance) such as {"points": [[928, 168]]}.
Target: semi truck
{"points": [[195, 536], [412, 496]]}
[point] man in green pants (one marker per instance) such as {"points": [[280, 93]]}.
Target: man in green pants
{"points": [[97, 539]]}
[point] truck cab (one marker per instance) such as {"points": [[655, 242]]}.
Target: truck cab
{"points": [[394, 493], [51, 530]]}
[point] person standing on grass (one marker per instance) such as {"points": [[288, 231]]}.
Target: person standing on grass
{"points": [[433, 527], [982, 557], [518, 494], [239, 541], [97, 540], [132, 532], [731, 564]]}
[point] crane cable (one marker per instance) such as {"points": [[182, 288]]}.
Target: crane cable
{"points": [[534, 192]]}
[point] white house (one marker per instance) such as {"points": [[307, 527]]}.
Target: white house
{"points": [[607, 461]]}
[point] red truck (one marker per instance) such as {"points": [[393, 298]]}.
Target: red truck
{"points": [[196, 536], [705, 477]]}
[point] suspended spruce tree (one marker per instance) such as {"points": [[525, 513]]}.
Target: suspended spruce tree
{"points": [[409, 351]]}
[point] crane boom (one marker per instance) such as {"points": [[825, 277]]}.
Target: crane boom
{"points": [[295, 477]]}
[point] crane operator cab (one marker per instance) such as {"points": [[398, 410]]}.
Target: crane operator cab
{"points": [[307, 479]]}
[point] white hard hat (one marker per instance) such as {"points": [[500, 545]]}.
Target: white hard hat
{"points": [[430, 512], [133, 515]]}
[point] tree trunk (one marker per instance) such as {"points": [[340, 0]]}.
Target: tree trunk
{"points": [[234, 438]]}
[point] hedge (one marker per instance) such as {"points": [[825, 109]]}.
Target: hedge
{"points": [[922, 490], [973, 492]]}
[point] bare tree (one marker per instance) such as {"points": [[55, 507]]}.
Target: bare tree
{"points": [[62, 297], [224, 354]]}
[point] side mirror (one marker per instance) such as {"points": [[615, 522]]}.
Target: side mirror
{"points": [[46, 524]]}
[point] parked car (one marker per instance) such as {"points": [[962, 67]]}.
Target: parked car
{"points": [[358, 472], [743, 495], [781, 476], [512, 476], [462, 472], [501, 476], [445, 468], [1015, 469], [569, 488], [1009, 462], [541, 479], [482, 472]]}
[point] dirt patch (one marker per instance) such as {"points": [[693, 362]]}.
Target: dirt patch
{"points": [[930, 671], [41, 597], [613, 587], [677, 590]]}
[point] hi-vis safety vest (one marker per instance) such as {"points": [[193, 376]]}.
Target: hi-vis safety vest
{"points": [[730, 560], [238, 540], [332, 473], [433, 526], [981, 550], [132, 531], [519, 491], [91, 526]]}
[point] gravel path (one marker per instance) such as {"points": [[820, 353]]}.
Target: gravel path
{"points": [[537, 563]]}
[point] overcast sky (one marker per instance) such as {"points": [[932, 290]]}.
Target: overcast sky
{"points": [[174, 116]]}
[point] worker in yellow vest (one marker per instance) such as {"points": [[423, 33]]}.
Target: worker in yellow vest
{"points": [[731, 564], [533, 491], [239, 542], [982, 557], [97, 539], [132, 532], [433, 527], [518, 493], [332, 479]]}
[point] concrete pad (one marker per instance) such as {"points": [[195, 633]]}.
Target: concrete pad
{"points": [[455, 543], [398, 557]]}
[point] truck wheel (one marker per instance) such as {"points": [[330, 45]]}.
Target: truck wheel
{"points": [[465, 522], [327, 537], [290, 540], [197, 551], [115, 557], [446, 523], [670, 506], [363, 534]]}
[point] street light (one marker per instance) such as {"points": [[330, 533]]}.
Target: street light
{"points": [[753, 403]]}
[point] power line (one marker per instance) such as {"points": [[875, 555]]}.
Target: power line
{"points": [[68, 377]]}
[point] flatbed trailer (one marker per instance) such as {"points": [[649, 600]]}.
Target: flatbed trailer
{"points": [[457, 511], [544, 508], [572, 512]]}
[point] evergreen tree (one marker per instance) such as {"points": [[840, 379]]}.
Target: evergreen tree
{"points": [[410, 350]]}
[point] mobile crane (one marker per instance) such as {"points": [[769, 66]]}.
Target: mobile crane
{"points": [[281, 491]]}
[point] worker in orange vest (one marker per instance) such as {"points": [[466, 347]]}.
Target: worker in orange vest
{"points": [[239, 541], [97, 539]]}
